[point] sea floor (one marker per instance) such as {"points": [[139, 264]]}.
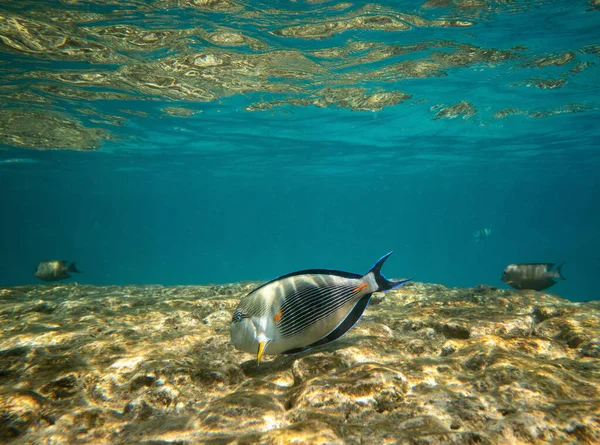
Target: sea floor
{"points": [[426, 365]]}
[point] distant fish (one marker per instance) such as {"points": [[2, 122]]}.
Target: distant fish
{"points": [[534, 276], [304, 309], [55, 270], [482, 234]]}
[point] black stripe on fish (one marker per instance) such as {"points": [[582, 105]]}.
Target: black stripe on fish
{"points": [[253, 307], [300, 313], [304, 296], [239, 316], [301, 293], [337, 273], [317, 304], [352, 318], [324, 302]]}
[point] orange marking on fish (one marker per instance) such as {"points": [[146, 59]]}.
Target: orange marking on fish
{"points": [[277, 317], [359, 288]]}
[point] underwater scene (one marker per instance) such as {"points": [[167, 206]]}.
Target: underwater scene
{"points": [[199, 201]]}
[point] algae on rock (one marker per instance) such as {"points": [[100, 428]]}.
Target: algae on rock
{"points": [[426, 364]]}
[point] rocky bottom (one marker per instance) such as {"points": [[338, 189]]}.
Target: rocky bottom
{"points": [[425, 365]]}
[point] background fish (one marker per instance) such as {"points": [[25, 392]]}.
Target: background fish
{"points": [[55, 270], [304, 309], [535, 276], [484, 233]]}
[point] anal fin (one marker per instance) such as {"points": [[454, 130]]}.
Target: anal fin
{"points": [[343, 327]]}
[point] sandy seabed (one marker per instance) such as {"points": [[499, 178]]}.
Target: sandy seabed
{"points": [[426, 365]]}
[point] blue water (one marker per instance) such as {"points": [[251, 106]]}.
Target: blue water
{"points": [[228, 194]]}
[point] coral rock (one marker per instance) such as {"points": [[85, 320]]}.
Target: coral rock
{"points": [[425, 365]]}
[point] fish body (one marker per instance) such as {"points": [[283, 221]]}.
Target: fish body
{"points": [[304, 309], [534, 276], [482, 234], [55, 270]]}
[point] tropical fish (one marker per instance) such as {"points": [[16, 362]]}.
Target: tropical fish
{"points": [[484, 233], [534, 276], [55, 270], [301, 310]]}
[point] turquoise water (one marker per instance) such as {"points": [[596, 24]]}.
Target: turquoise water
{"points": [[271, 162]]}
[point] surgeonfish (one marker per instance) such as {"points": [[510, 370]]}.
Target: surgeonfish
{"points": [[55, 270], [534, 276], [301, 310]]}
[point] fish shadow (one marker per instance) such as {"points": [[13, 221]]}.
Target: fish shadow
{"points": [[285, 362]]}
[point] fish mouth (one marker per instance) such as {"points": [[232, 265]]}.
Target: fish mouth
{"points": [[263, 342], [261, 350]]}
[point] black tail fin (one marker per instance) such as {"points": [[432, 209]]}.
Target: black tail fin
{"points": [[72, 268], [557, 273], [382, 282]]}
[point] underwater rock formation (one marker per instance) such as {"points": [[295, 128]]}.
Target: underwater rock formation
{"points": [[426, 365]]}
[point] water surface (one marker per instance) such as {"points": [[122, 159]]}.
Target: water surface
{"points": [[182, 142]]}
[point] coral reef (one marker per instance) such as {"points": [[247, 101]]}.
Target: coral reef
{"points": [[426, 365]]}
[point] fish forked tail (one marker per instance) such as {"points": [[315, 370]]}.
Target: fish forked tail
{"points": [[73, 268], [557, 273], [383, 283]]}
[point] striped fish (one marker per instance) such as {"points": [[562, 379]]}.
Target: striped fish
{"points": [[304, 309], [535, 276]]}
